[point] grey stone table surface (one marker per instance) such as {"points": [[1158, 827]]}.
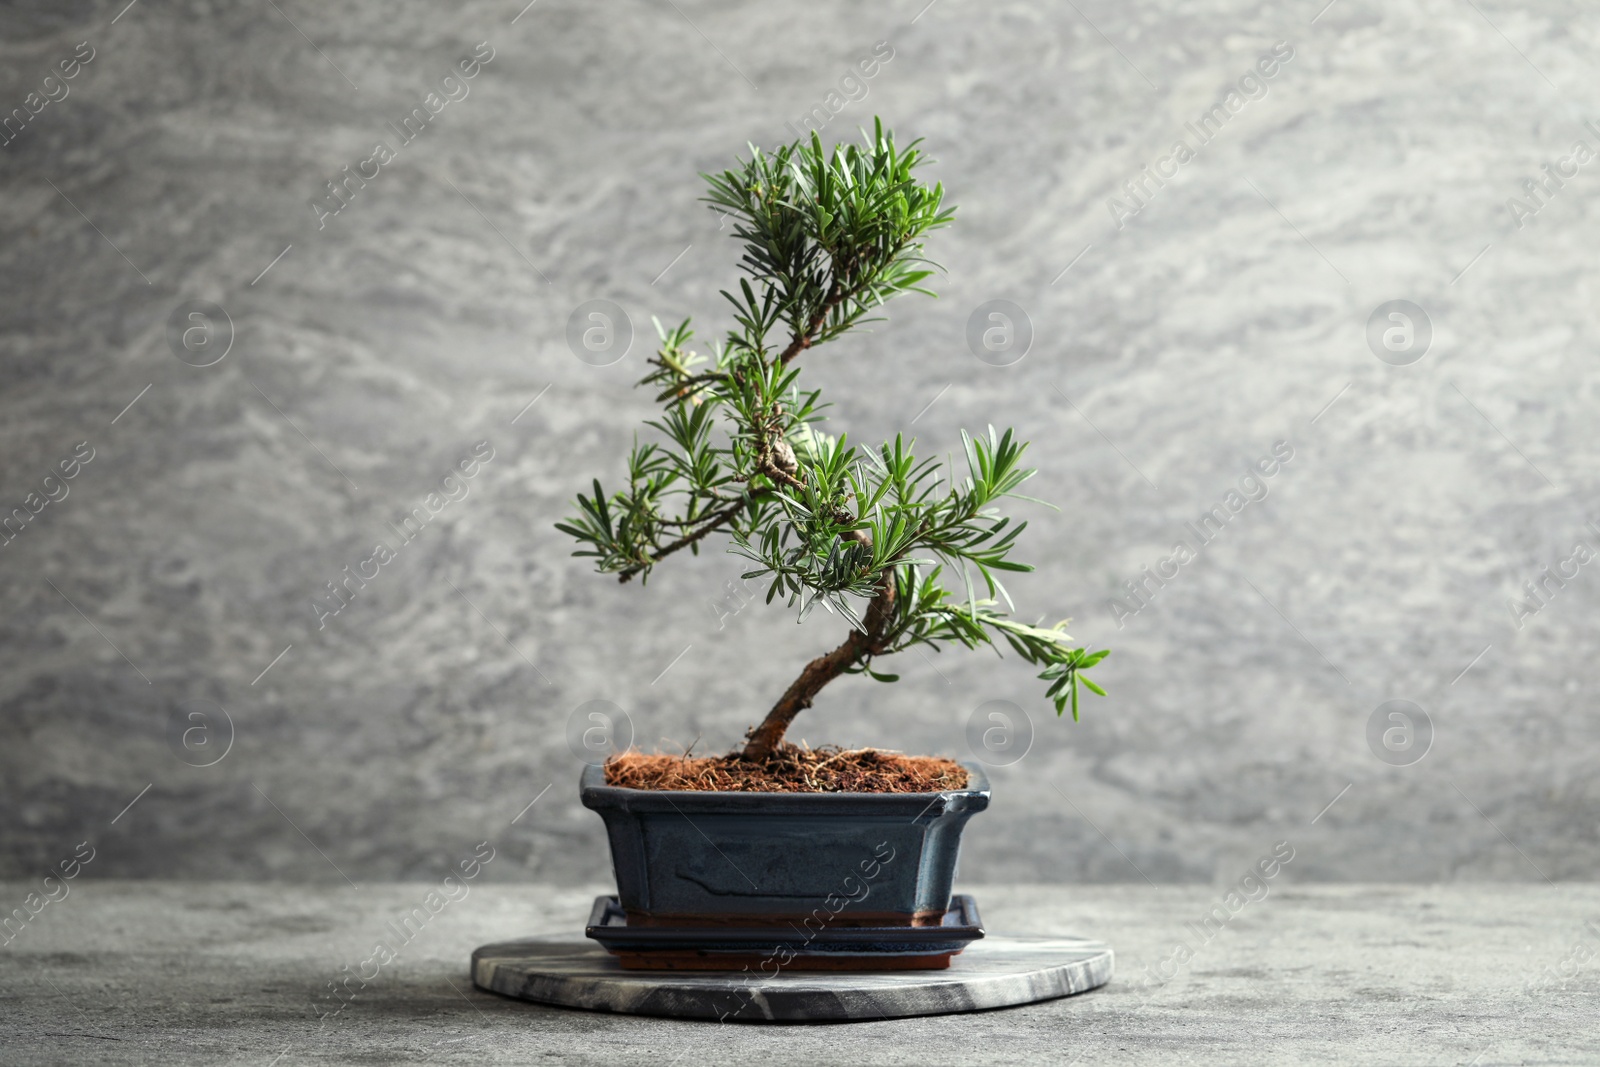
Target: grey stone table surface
{"points": [[124, 972]]}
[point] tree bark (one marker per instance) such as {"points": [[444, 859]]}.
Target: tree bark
{"points": [[763, 740]]}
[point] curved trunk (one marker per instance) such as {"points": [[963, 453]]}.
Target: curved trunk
{"points": [[763, 740]]}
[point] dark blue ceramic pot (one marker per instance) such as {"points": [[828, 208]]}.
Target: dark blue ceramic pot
{"points": [[763, 859]]}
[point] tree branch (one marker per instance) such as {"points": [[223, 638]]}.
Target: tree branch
{"points": [[763, 740], [716, 521], [802, 341]]}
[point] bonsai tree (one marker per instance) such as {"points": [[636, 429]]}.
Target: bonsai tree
{"points": [[868, 534]]}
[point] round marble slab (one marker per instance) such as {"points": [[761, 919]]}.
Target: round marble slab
{"points": [[997, 972]]}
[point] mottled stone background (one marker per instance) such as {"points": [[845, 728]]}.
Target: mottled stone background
{"points": [[1227, 315]]}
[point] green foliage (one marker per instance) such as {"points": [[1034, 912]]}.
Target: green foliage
{"points": [[828, 238]]}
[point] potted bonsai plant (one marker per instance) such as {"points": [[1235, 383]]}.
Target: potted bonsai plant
{"points": [[774, 833]]}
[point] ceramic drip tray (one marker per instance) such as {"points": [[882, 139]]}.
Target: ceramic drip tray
{"points": [[810, 947]]}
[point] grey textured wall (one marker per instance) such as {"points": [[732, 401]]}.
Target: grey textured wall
{"points": [[1229, 313]]}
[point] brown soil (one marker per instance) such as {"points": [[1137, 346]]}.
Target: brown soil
{"points": [[791, 769]]}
